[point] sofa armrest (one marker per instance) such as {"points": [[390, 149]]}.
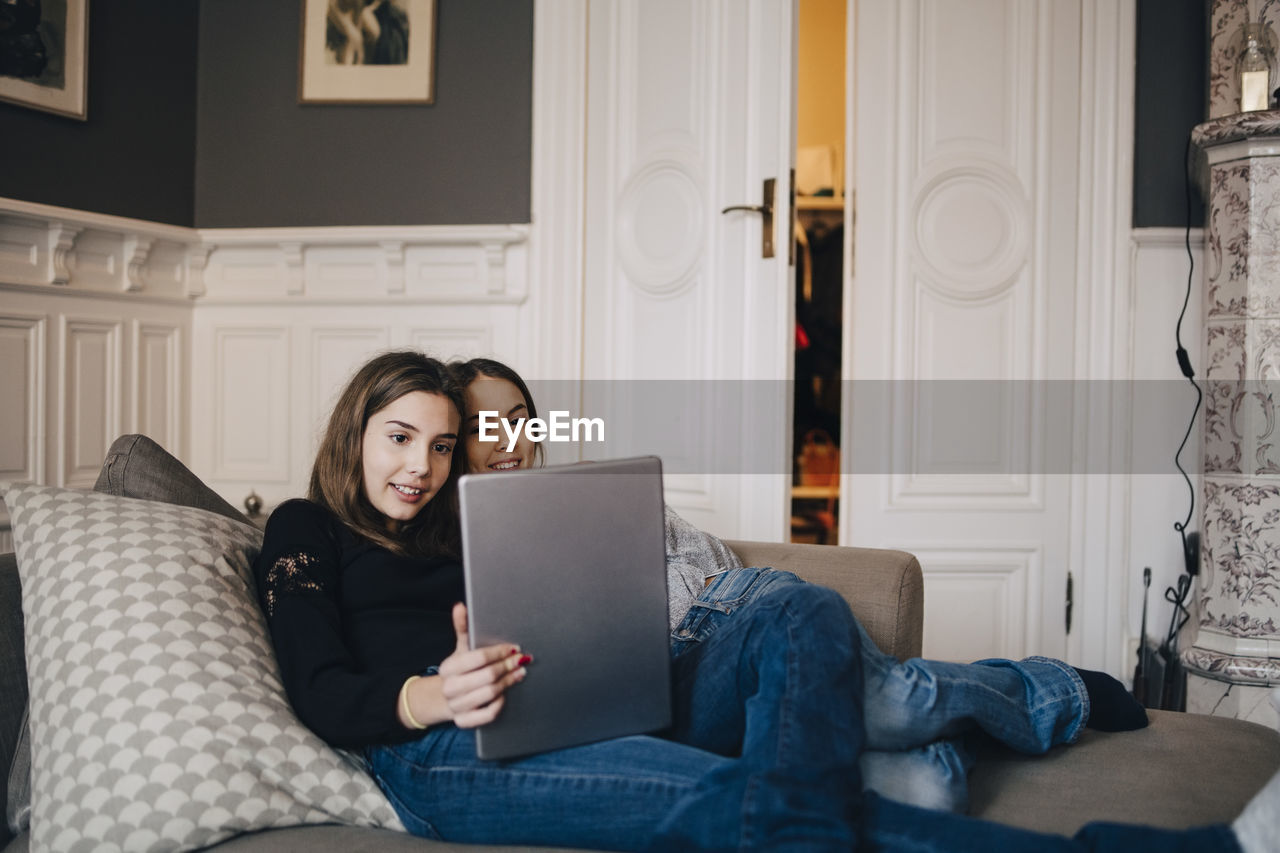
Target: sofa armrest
{"points": [[884, 588]]}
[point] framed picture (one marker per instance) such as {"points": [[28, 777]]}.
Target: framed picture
{"points": [[44, 49], [367, 52]]}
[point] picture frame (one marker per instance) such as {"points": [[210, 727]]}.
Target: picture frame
{"points": [[367, 52], [47, 67]]}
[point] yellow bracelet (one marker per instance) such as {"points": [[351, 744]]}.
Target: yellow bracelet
{"points": [[404, 703]]}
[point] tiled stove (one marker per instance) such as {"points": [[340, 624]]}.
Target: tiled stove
{"points": [[1234, 663]]}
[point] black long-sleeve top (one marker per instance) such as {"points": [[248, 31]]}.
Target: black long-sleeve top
{"points": [[350, 622]]}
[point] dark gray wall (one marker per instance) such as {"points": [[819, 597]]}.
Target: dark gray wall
{"points": [[135, 156], [1171, 98], [262, 159], [254, 156]]}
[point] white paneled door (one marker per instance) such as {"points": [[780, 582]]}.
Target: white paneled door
{"points": [[992, 195], [689, 110], [985, 310]]}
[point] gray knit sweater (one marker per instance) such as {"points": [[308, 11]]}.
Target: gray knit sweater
{"points": [[692, 557]]}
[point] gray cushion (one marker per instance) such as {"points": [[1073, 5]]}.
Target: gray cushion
{"points": [[348, 839], [13, 679], [18, 808], [1183, 770], [137, 467]]}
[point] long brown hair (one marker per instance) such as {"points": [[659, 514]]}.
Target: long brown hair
{"points": [[465, 372], [337, 477]]}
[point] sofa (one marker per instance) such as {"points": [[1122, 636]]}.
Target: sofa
{"points": [[1182, 770]]}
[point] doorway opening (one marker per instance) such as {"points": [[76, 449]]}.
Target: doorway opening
{"points": [[820, 235]]}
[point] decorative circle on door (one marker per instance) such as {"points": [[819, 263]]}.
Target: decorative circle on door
{"points": [[971, 235], [660, 227]]}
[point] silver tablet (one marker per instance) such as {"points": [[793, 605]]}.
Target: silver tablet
{"points": [[568, 562]]}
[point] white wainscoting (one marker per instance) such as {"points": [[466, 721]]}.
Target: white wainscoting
{"points": [[95, 331], [288, 313], [1159, 496], [226, 346]]}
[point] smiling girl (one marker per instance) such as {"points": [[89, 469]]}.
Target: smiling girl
{"points": [[362, 587], [912, 712]]}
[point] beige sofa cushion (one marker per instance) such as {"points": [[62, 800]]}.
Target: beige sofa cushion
{"points": [[1182, 770], [885, 589]]}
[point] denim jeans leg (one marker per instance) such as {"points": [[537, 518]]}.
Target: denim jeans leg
{"points": [[1029, 705], [931, 776], [610, 795], [770, 674], [934, 776]]}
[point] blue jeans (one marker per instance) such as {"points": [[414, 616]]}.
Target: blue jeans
{"points": [[916, 711], [763, 755]]}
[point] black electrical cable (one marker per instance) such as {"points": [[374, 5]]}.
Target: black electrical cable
{"points": [[1184, 363]]}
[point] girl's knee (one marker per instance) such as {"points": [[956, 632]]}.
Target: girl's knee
{"points": [[812, 610], [820, 602]]}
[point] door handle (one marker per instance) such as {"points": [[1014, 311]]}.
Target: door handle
{"points": [[1071, 599], [766, 213]]}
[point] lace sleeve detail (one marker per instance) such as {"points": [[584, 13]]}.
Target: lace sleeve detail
{"points": [[288, 576]]}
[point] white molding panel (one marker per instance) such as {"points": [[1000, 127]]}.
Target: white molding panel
{"points": [[453, 341], [438, 264], [159, 382], [977, 598], [251, 403], [95, 330], [22, 388], [42, 246], [90, 396], [333, 353]]}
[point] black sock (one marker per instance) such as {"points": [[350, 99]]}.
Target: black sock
{"points": [[1111, 708]]}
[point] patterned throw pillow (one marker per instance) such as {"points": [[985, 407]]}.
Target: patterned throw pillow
{"points": [[158, 719]]}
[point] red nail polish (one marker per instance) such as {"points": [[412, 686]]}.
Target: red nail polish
{"points": [[513, 652], [524, 659]]}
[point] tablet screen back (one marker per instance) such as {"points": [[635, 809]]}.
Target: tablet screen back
{"points": [[568, 562]]}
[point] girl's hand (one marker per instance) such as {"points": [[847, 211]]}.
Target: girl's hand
{"points": [[473, 680]]}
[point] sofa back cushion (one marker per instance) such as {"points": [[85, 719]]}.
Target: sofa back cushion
{"points": [[13, 682], [157, 715]]}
